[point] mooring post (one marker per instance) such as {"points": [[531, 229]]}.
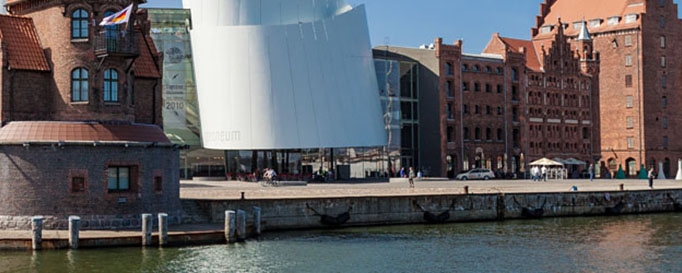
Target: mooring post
{"points": [[230, 226], [622, 187], [74, 231], [466, 189], [241, 225], [147, 227], [243, 197], [163, 229], [37, 229], [256, 221]]}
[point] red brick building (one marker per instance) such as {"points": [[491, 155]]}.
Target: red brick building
{"points": [[80, 107], [639, 44]]}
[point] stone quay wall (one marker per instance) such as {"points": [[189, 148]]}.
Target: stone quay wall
{"points": [[284, 214]]}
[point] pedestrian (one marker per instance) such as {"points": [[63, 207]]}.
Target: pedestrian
{"points": [[411, 178], [420, 175], [652, 175], [402, 172], [544, 173], [591, 171], [534, 172]]}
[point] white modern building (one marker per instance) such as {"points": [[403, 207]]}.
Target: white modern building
{"points": [[284, 74]]}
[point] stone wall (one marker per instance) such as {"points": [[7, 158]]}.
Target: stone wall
{"points": [[37, 180], [367, 211]]}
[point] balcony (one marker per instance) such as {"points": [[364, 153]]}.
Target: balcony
{"points": [[116, 43]]}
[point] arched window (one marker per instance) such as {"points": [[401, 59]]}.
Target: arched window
{"points": [[79, 85], [79, 24], [110, 85]]}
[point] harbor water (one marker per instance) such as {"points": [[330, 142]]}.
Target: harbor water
{"points": [[636, 243]]}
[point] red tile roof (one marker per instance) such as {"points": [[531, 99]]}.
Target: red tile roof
{"points": [[27, 131], [571, 11], [532, 58], [23, 47], [145, 66]]}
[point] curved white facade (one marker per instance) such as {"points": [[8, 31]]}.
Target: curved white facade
{"points": [[284, 74]]}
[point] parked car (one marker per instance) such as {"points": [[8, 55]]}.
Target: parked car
{"points": [[484, 174]]}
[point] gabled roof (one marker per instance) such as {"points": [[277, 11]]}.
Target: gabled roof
{"points": [[532, 59], [145, 66], [571, 11], [22, 43]]}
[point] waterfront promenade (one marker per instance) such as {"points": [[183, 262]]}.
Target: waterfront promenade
{"points": [[231, 190]]}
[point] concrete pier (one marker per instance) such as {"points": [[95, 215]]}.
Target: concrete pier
{"points": [[74, 231], [36, 232], [147, 227], [241, 225], [230, 226], [257, 221], [163, 229]]}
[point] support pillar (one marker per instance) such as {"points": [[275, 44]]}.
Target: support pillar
{"points": [[679, 170], [163, 229], [241, 225], [37, 232], [74, 231], [230, 226], [147, 227], [257, 220]]}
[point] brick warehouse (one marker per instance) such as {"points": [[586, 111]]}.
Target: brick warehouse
{"points": [[639, 47], [81, 115]]}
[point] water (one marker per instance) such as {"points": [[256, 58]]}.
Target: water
{"points": [[647, 243]]}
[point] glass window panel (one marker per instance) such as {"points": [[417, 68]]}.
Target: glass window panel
{"points": [[113, 175], [124, 178], [84, 90], [114, 91]]}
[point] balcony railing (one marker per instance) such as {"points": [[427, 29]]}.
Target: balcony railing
{"points": [[116, 43]]}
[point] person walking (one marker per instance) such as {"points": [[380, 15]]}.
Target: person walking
{"points": [[591, 171], [411, 178], [402, 172], [534, 172], [652, 175], [544, 173]]}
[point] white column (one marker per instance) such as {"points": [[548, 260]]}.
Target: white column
{"points": [[241, 225], [37, 232], [679, 170], [74, 231], [661, 174], [257, 220], [230, 226], [163, 229], [147, 227]]}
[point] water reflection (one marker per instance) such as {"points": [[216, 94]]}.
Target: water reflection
{"points": [[650, 243]]}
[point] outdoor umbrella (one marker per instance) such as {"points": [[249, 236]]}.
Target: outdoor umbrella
{"points": [[545, 162]]}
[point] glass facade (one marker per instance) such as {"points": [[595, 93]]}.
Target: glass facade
{"points": [[170, 32]]}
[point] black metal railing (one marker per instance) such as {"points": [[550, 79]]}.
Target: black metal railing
{"points": [[115, 42]]}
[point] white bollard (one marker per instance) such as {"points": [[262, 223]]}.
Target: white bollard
{"points": [[230, 226], [661, 174], [37, 229], [163, 229], [256, 220], [74, 231], [147, 227], [241, 225], [679, 170]]}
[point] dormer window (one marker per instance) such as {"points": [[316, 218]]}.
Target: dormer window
{"points": [[578, 25], [546, 29], [630, 18], [613, 20], [595, 23]]}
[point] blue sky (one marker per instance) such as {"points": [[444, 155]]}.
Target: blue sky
{"points": [[414, 22]]}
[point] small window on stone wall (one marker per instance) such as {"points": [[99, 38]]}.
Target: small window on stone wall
{"points": [[119, 178], [77, 184], [158, 184]]}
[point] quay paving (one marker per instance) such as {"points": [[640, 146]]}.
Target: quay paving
{"points": [[230, 190]]}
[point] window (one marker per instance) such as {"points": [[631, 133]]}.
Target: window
{"points": [[499, 134], [578, 25], [614, 43], [448, 69], [476, 68], [448, 110], [630, 18], [662, 61], [110, 85], [661, 3], [465, 67], [515, 74], [118, 179], [158, 184], [628, 40], [466, 109], [478, 133], [77, 184], [664, 102], [477, 109], [664, 81], [499, 110], [661, 22], [499, 89], [631, 142], [665, 123], [465, 86], [488, 88], [477, 87], [498, 70], [662, 41], [450, 134], [488, 110], [628, 60], [488, 134], [629, 122], [79, 24], [628, 80], [466, 133], [613, 20], [665, 142], [79, 85], [488, 69], [628, 102], [448, 88], [545, 29], [595, 23]]}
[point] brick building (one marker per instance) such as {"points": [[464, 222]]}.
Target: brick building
{"points": [[80, 107], [639, 46]]}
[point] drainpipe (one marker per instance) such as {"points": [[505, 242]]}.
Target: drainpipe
{"points": [[641, 104], [156, 84], [12, 74]]}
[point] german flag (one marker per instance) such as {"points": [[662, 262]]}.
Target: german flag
{"points": [[118, 18]]}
